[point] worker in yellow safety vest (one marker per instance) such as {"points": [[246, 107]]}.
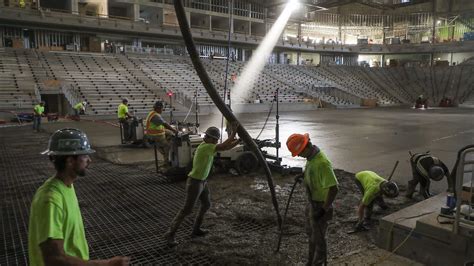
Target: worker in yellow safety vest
{"points": [[38, 112], [123, 117], [155, 131]]}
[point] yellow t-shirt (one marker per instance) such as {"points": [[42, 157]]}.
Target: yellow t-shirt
{"points": [[370, 181], [319, 177], [202, 161], [122, 111], [55, 214]]}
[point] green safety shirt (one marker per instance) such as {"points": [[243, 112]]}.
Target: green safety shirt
{"points": [[370, 181], [39, 110], [319, 177], [122, 111], [79, 106], [202, 161], [55, 214]]}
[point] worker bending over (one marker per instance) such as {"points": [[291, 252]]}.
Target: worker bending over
{"points": [[196, 184], [79, 109], [56, 231], [321, 187], [155, 131], [373, 187], [424, 167], [123, 117]]}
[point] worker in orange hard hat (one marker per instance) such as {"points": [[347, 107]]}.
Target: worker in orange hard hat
{"points": [[321, 187]]}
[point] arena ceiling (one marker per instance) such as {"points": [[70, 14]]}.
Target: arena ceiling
{"points": [[381, 4]]}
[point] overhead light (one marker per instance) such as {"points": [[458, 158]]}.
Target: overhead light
{"points": [[438, 22], [294, 4]]}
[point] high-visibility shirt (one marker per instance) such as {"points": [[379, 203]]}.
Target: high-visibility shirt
{"points": [[202, 161], [39, 110], [79, 106], [122, 111], [370, 181], [152, 128], [319, 177], [55, 214], [424, 161]]}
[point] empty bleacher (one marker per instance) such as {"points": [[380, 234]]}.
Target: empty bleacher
{"points": [[104, 79], [17, 87]]}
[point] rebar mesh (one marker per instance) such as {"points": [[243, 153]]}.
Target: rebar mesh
{"points": [[125, 210]]}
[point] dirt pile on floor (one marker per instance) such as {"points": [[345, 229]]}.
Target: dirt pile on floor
{"points": [[243, 224]]}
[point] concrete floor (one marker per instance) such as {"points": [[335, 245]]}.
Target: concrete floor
{"points": [[354, 139]]}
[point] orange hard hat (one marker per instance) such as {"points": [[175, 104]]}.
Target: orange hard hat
{"points": [[296, 143]]}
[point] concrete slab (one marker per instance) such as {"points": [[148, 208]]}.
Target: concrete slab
{"points": [[416, 233], [354, 139]]}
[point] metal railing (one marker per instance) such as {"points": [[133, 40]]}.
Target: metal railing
{"points": [[37, 94], [71, 94], [464, 213]]}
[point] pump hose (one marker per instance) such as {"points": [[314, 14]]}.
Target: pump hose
{"points": [[284, 215], [214, 95]]}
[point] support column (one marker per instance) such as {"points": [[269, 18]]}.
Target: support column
{"points": [[298, 56], [383, 61], [136, 11], [210, 23], [250, 28], [74, 7], [339, 24], [433, 37], [299, 32]]}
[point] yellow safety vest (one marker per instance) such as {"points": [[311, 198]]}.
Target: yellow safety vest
{"points": [[152, 129]]}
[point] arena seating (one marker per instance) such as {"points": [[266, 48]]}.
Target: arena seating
{"points": [[16, 82], [104, 79]]}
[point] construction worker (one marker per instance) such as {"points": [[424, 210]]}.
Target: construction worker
{"points": [[424, 167], [321, 187], [123, 117], [38, 112], [80, 108], [56, 231], [155, 130], [372, 186], [196, 184]]}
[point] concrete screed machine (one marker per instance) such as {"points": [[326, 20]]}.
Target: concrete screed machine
{"points": [[239, 160]]}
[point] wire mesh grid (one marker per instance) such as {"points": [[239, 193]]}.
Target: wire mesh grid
{"points": [[125, 210]]}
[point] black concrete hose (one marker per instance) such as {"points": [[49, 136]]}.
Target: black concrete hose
{"points": [[206, 81]]}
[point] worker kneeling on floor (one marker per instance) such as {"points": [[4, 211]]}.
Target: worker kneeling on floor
{"points": [[156, 131], [196, 184], [321, 187], [56, 232], [373, 187]]}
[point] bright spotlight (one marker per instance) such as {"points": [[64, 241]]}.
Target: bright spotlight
{"points": [[294, 4]]}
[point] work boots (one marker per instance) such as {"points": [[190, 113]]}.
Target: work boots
{"points": [[199, 233], [170, 240]]}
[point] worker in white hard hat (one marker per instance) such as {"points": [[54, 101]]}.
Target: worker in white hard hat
{"points": [[196, 184]]}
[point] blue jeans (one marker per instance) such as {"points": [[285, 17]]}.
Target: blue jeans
{"points": [[36, 122]]}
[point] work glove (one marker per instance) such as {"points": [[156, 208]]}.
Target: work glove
{"points": [[299, 178], [320, 213]]}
